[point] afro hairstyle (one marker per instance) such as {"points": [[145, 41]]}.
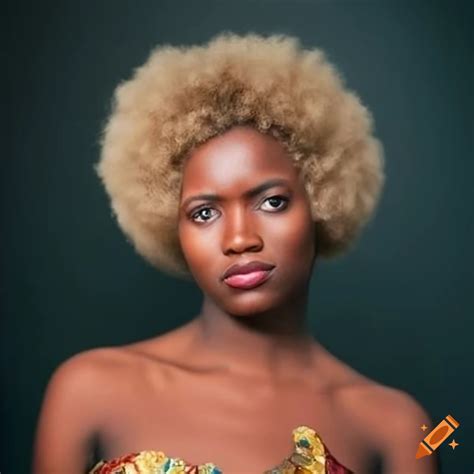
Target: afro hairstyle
{"points": [[182, 96]]}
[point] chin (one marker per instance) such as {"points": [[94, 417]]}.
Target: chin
{"points": [[249, 305]]}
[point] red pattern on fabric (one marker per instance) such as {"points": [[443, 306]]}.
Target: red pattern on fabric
{"points": [[110, 466], [191, 470], [333, 466]]}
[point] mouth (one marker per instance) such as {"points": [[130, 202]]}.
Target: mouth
{"points": [[247, 281]]}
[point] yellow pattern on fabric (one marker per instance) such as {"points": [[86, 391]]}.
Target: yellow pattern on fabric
{"points": [[309, 457]]}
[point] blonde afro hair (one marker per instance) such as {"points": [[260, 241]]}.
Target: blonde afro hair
{"points": [[183, 96]]}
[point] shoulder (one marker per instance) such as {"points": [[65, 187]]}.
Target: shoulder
{"points": [[361, 398], [87, 381], [72, 409], [390, 420], [91, 366], [111, 366], [380, 405], [77, 380]]}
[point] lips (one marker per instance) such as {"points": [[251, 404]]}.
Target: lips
{"points": [[248, 275]]}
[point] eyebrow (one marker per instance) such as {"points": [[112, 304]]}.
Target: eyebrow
{"points": [[271, 183]]}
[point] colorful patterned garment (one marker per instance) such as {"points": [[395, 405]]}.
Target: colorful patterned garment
{"points": [[310, 456]]}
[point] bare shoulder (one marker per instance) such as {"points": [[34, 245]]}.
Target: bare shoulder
{"points": [[75, 397], [107, 366], [380, 405], [99, 371], [387, 418], [365, 399], [92, 368], [390, 419], [79, 380]]}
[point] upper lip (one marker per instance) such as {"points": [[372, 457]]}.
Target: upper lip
{"points": [[242, 268]]}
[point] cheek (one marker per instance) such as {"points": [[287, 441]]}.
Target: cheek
{"points": [[293, 238], [198, 248]]}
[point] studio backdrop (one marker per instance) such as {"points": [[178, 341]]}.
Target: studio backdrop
{"points": [[398, 308]]}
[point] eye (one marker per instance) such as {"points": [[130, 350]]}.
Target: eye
{"points": [[202, 215], [276, 203]]}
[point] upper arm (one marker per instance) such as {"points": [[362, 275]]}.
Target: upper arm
{"points": [[401, 434], [69, 417]]}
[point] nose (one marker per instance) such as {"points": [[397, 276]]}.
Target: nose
{"points": [[240, 233]]}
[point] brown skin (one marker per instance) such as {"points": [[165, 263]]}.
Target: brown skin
{"points": [[235, 381]]}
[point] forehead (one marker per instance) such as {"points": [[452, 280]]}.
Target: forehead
{"points": [[238, 158]]}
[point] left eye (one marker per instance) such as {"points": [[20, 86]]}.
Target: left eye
{"points": [[276, 203]]}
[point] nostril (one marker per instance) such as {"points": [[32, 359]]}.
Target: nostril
{"points": [[240, 244]]}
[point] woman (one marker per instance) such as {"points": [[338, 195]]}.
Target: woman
{"points": [[236, 164]]}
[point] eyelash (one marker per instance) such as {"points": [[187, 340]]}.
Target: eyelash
{"points": [[284, 199]]}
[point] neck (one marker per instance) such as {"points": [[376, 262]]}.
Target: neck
{"points": [[274, 343]]}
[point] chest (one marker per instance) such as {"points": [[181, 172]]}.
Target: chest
{"points": [[232, 423]]}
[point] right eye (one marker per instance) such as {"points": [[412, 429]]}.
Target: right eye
{"points": [[202, 215]]}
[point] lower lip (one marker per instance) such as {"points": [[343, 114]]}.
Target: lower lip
{"points": [[248, 280]]}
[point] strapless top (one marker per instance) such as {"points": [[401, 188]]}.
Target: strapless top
{"points": [[310, 456]]}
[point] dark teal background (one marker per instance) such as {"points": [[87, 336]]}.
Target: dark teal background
{"points": [[399, 308]]}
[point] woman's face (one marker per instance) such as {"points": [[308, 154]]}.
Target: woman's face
{"points": [[222, 222]]}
